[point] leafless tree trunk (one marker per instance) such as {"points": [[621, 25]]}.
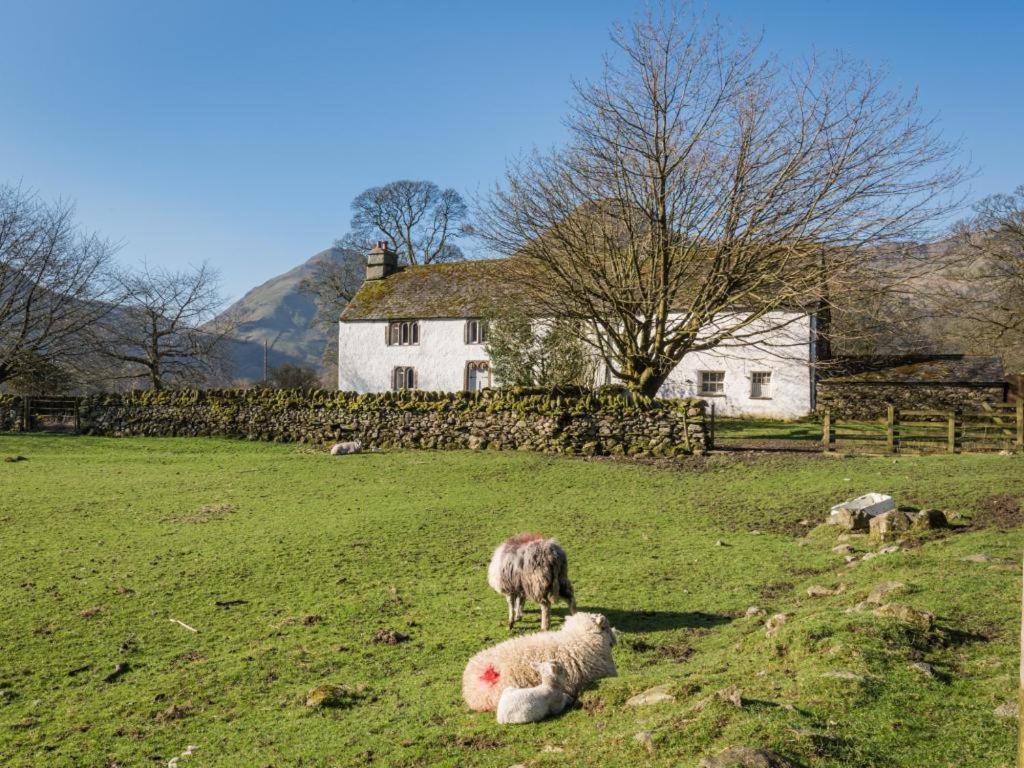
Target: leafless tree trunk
{"points": [[705, 188], [421, 220], [168, 331], [54, 285]]}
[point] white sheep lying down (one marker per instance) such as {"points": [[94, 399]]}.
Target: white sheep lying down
{"points": [[346, 448], [531, 705], [583, 646]]}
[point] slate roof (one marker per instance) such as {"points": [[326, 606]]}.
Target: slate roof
{"points": [[450, 290], [915, 369]]}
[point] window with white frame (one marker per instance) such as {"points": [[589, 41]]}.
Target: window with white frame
{"points": [[403, 377], [761, 385], [712, 383], [403, 333], [476, 331]]}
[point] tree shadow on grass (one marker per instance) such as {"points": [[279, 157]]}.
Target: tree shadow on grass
{"points": [[659, 621]]}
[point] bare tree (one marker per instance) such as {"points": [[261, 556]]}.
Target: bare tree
{"points": [[704, 187], [168, 331], [983, 299], [421, 220], [54, 285], [290, 376]]}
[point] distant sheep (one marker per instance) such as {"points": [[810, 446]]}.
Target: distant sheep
{"points": [[531, 705], [583, 646], [343, 449], [530, 567]]}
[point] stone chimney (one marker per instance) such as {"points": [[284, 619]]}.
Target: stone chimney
{"points": [[381, 261]]}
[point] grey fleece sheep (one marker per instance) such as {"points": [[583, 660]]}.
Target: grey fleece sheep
{"points": [[530, 567]]}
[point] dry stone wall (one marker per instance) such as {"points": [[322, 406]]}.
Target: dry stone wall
{"points": [[850, 400], [570, 422]]}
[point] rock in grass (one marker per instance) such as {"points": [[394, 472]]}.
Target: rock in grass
{"points": [[772, 625], [929, 519], [842, 549], [924, 668], [906, 614], [745, 757], [1007, 710], [979, 558], [388, 637], [119, 669], [328, 696], [889, 526], [643, 738], [819, 591], [878, 594], [656, 695], [731, 695], [851, 519], [754, 610]]}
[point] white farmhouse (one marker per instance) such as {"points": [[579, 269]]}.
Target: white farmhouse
{"points": [[420, 328]]}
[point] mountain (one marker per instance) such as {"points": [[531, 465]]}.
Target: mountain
{"points": [[280, 314]]}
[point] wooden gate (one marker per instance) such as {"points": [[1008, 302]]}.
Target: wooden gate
{"points": [[983, 427], [46, 413]]}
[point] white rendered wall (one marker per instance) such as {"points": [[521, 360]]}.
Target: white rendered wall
{"points": [[366, 362], [786, 352]]}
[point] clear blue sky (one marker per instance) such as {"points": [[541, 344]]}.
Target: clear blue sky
{"points": [[238, 132]]}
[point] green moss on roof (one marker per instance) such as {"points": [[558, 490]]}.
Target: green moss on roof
{"points": [[915, 369], [458, 289]]}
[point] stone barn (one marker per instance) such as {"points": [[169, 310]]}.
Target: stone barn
{"points": [[862, 387]]}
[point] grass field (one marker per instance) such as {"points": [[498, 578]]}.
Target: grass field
{"points": [[287, 562]]}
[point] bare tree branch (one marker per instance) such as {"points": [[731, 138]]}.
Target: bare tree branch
{"points": [[707, 190]]}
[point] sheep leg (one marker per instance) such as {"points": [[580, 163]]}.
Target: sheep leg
{"points": [[519, 607], [511, 610], [545, 614]]}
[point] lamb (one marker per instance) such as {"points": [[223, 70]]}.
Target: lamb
{"points": [[528, 566], [343, 449], [531, 705], [583, 646]]}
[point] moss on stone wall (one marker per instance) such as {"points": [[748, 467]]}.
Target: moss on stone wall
{"points": [[602, 422]]}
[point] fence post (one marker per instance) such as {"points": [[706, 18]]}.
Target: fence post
{"points": [[26, 414], [826, 431], [951, 441], [1020, 424], [890, 427], [712, 444]]}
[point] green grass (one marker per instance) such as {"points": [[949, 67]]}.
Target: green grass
{"points": [[766, 429], [102, 541]]}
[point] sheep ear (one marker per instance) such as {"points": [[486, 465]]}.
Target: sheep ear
{"points": [[535, 665]]}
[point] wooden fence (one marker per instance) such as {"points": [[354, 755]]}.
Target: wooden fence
{"points": [[988, 427]]}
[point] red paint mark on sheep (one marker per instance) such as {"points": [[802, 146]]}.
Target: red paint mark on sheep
{"points": [[490, 675]]}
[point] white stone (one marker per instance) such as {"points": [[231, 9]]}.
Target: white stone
{"points": [[871, 503], [659, 694]]}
